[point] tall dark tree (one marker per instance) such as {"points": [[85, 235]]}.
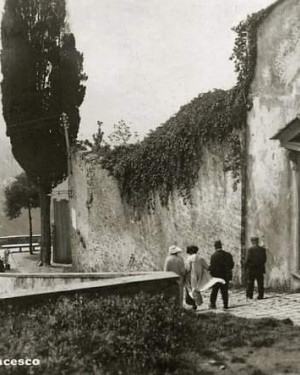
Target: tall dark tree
{"points": [[43, 79], [21, 194]]}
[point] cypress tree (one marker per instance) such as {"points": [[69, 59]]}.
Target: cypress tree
{"points": [[43, 79]]}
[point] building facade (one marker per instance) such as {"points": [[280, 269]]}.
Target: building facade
{"points": [[271, 187]]}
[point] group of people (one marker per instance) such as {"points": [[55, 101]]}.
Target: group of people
{"points": [[197, 276]]}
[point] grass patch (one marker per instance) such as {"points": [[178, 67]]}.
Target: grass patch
{"points": [[122, 335]]}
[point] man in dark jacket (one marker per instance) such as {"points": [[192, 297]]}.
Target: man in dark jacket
{"points": [[221, 265], [255, 268]]}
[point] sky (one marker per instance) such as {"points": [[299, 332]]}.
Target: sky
{"points": [[146, 58]]}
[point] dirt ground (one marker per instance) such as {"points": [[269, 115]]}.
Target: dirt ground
{"points": [[281, 357]]}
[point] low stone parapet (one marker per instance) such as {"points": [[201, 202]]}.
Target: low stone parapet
{"points": [[104, 284]]}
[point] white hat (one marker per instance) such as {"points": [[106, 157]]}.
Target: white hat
{"points": [[174, 250]]}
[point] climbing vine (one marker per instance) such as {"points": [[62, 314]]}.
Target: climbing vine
{"points": [[170, 157], [245, 53]]}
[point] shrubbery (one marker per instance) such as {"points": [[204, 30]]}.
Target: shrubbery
{"points": [[112, 335], [141, 335]]}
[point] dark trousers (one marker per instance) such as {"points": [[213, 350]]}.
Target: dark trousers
{"points": [[224, 293], [251, 277]]}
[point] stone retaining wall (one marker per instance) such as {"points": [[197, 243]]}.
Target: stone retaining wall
{"points": [[165, 283]]}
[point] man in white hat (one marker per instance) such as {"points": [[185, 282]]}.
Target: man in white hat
{"points": [[175, 263]]}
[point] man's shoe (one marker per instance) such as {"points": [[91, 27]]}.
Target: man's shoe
{"points": [[260, 297]]}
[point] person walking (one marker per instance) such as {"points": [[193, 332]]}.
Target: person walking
{"points": [[198, 278], [175, 263], [255, 268], [221, 265], [195, 273]]}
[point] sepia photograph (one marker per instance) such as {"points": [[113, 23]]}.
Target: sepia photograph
{"points": [[150, 187]]}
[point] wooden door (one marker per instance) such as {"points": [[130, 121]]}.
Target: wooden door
{"points": [[61, 238]]}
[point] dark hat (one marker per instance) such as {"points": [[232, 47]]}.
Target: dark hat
{"points": [[218, 244], [254, 238], [192, 249]]}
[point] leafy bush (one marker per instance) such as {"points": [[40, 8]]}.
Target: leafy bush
{"points": [[111, 335]]}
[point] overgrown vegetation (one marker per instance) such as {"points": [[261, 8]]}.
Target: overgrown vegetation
{"points": [[170, 157], [114, 335], [84, 335]]}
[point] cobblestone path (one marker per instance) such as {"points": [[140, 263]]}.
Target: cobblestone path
{"points": [[276, 305]]}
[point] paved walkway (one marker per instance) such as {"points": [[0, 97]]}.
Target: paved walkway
{"points": [[275, 305], [24, 262]]}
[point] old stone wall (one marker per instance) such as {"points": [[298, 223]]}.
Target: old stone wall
{"points": [[23, 292], [270, 188], [108, 236]]}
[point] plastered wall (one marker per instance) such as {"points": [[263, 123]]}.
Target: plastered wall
{"points": [[107, 235], [271, 188]]}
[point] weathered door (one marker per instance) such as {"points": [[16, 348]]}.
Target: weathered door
{"points": [[61, 235]]}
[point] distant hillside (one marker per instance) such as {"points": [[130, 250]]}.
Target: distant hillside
{"points": [[9, 168]]}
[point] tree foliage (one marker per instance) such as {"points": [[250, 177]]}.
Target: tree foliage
{"points": [[122, 134], [42, 78], [42, 82], [20, 193]]}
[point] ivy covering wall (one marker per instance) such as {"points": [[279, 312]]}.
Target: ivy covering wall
{"points": [[169, 158]]}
